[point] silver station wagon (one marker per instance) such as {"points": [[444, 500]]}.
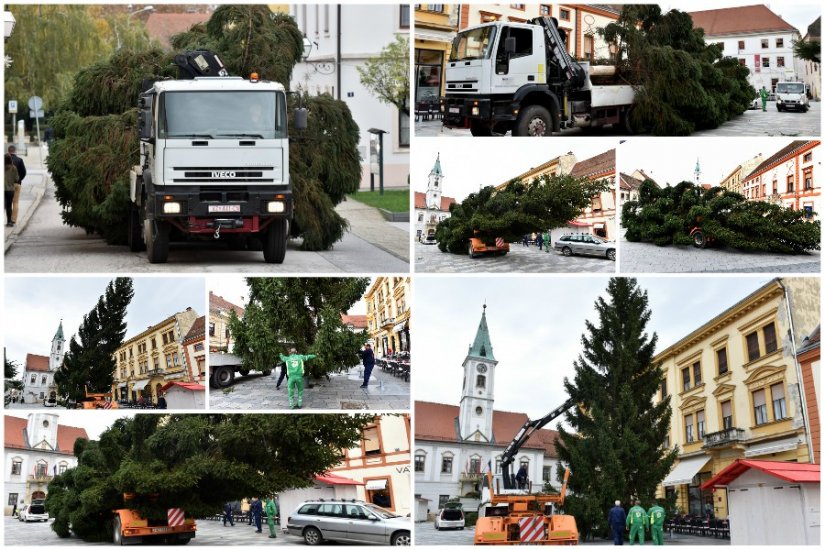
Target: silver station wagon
{"points": [[350, 521], [586, 244]]}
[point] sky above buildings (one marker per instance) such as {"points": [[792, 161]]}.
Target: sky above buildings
{"points": [[35, 306], [673, 160], [469, 164], [798, 14], [536, 325]]}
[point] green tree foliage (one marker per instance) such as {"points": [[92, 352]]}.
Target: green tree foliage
{"points": [[195, 462], [89, 363], [518, 209], [808, 50], [300, 312], [666, 216], [387, 75], [91, 174], [682, 84], [10, 368], [614, 441]]}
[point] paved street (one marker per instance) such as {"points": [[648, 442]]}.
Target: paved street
{"points": [[750, 123], [255, 391], [429, 259]]}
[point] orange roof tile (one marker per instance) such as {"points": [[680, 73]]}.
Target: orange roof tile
{"points": [[603, 164], [218, 303], [15, 429], [197, 331], [743, 19], [780, 156], [421, 201], [37, 363], [356, 321]]}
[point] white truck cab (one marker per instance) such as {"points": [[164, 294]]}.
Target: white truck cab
{"points": [[791, 96]]}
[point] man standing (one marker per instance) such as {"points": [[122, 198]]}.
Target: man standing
{"points": [[227, 514], [763, 94], [21, 172], [637, 521], [295, 375], [368, 358], [521, 477], [271, 514], [257, 509], [657, 522], [616, 519]]}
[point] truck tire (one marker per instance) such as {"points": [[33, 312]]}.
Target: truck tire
{"points": [[223, 376], [275, 242], [479, 128], [244, 372], [470, 251], [117, 532], [156, 235], [535, 120], [700, 240], [136, 243]]}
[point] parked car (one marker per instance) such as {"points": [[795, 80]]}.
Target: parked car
{"points": [[36, 511], [449, 518], [429, 239], [756, 103], [351, 521], [586, 244]]}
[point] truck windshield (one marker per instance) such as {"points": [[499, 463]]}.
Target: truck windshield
{"points": [[790, 88], [473, 44], [222, 115]]}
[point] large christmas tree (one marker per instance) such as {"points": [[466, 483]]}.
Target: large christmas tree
{"points": [[615, 444], [666, 216]]}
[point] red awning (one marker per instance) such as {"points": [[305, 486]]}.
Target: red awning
{"points": [[185, 385], [788, 471], [574, 223], [332, 479]]}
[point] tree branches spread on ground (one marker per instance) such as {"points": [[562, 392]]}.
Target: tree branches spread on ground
{"points": [[304, 313], [683, 84], [96, 140], [667, 215], [89, 362], [518, 209], [195, 462], [614, 443]]}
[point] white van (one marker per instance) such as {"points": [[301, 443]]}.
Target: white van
{"points": [[791, 96]]}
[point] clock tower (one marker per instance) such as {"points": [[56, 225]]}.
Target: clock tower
{"points": [[433, 199], [476, 408]]}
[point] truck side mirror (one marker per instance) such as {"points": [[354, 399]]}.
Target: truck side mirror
{"points": [[301, 115], [510, 45], [145, 124]]}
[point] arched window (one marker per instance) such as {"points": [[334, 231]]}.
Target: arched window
{"points": [[420, 460], [62, 467], [34, 379], [447, 463], [475, 464], [43, 380], [16, 466], [41, 469]]}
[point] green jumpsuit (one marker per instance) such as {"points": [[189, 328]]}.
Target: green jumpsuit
{"points": [[295, 376], [637, 520], [657, 522], [271, 513]]}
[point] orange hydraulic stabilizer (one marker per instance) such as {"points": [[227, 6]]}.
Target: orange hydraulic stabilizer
{"points": [[132, 527]]}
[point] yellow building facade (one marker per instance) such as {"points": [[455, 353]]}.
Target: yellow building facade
{"points": [[734, 390], [155, 356], [435, 27], [388, 314]]}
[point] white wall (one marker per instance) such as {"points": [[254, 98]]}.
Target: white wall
{"points": [[753, 46], [179, 398]]}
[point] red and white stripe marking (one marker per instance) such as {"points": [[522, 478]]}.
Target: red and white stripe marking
{"points": [[107, 405], [499, 242], [531, 529], [174, 517]]}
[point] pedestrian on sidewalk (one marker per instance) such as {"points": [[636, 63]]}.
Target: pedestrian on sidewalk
{"points": [[21, 171], [281, 376], [295, 375], [637, 522], [657, 524], [271, 514], [368, 358], [11, 187], [540, 240], [227, 514], [257, 509], [616, 519]]}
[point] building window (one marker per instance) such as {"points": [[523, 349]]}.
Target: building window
{"points": [[435, 8], [760, 409], [61, 469], [807, 157], [547, 473], [403, 129], [769, 334], [198, 347], [808, 178], [372, 446], [697, 373], [40, 470], [564, 14], [688, 428], [741, 46], [753, 346], [419, 462], [12, 499], [446, 464], [778, 399], [498, 465], [517, 6], [766, 62], [700, 424], [790, 184], [544, 9], [404, 18], [722, 360], [211, 329], [742, 61], [764, 43], [596, 204], [780, 42], [780, 61], [442, 500], [481, 381], [16, 467], [663, 389], [685, 379], [475, 465], [727, 415], [34, 379]]}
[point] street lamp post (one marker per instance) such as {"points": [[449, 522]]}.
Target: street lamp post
{"points": [[379, 134]]}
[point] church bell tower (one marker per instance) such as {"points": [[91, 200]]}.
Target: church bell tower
{"points": [[476, 407]]}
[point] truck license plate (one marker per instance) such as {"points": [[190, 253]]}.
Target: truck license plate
{"points": [[220, 208], [160, 529], [454, 109]]}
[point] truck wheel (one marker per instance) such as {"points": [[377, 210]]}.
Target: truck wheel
{"points": [[535, 120], [275, 242], [156, 235], [470, 251], [244, 372], [624, 122], [312, 536], [699, 239], [117, 533], [611, 255], [479, 128], [566, 251], [223, 376], [136, 243]]}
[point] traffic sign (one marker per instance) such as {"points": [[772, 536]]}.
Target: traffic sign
{"points": [[38, 114], [12, 107], [35, 103]]}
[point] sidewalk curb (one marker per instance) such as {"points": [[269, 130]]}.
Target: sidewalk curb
{"points": [[19, 228]]}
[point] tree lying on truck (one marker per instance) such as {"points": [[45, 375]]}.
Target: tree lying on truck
{"points": [[688, 214], [515, 209]]}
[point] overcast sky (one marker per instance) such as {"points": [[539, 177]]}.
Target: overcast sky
{"points": [[35, 306], [536, 324], [469, 164], [799, 14], [672, 160]]}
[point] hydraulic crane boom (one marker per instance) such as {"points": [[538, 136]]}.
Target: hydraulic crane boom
{"points": [[572, 71], [521, 438]]}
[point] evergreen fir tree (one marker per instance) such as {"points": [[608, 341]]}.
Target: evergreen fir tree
{"points": [[615, 444], [89, 362]]}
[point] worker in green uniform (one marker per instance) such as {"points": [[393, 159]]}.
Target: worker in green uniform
{"points": [[637, 522], [295, 375], [657, 522], [763, 95], [271, 513]]}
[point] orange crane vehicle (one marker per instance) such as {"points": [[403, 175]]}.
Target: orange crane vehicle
{"points": [[97, 400], [517, 516], [130, 528]]}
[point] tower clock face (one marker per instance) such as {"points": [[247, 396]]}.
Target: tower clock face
{"points": [[481, 368]]}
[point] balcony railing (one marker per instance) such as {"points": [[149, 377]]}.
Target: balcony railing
{"points": [[40, 478], [724, 437], [470, 476], [387, 321]]}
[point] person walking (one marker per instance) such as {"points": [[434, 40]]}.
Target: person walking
{"points": [[21, 171], [295, 375], [540, 240], [637, 521], [763, 95], [281, 376], [657, 523], [227, 514], [368, 358], [245, 510], [271, 514], [256, 508], [616, 519], [547, 241], [11, 185], [14, 509]]}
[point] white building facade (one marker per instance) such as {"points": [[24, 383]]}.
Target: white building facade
{"points": [[790, 177], [344, 37], [38, 374]]}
